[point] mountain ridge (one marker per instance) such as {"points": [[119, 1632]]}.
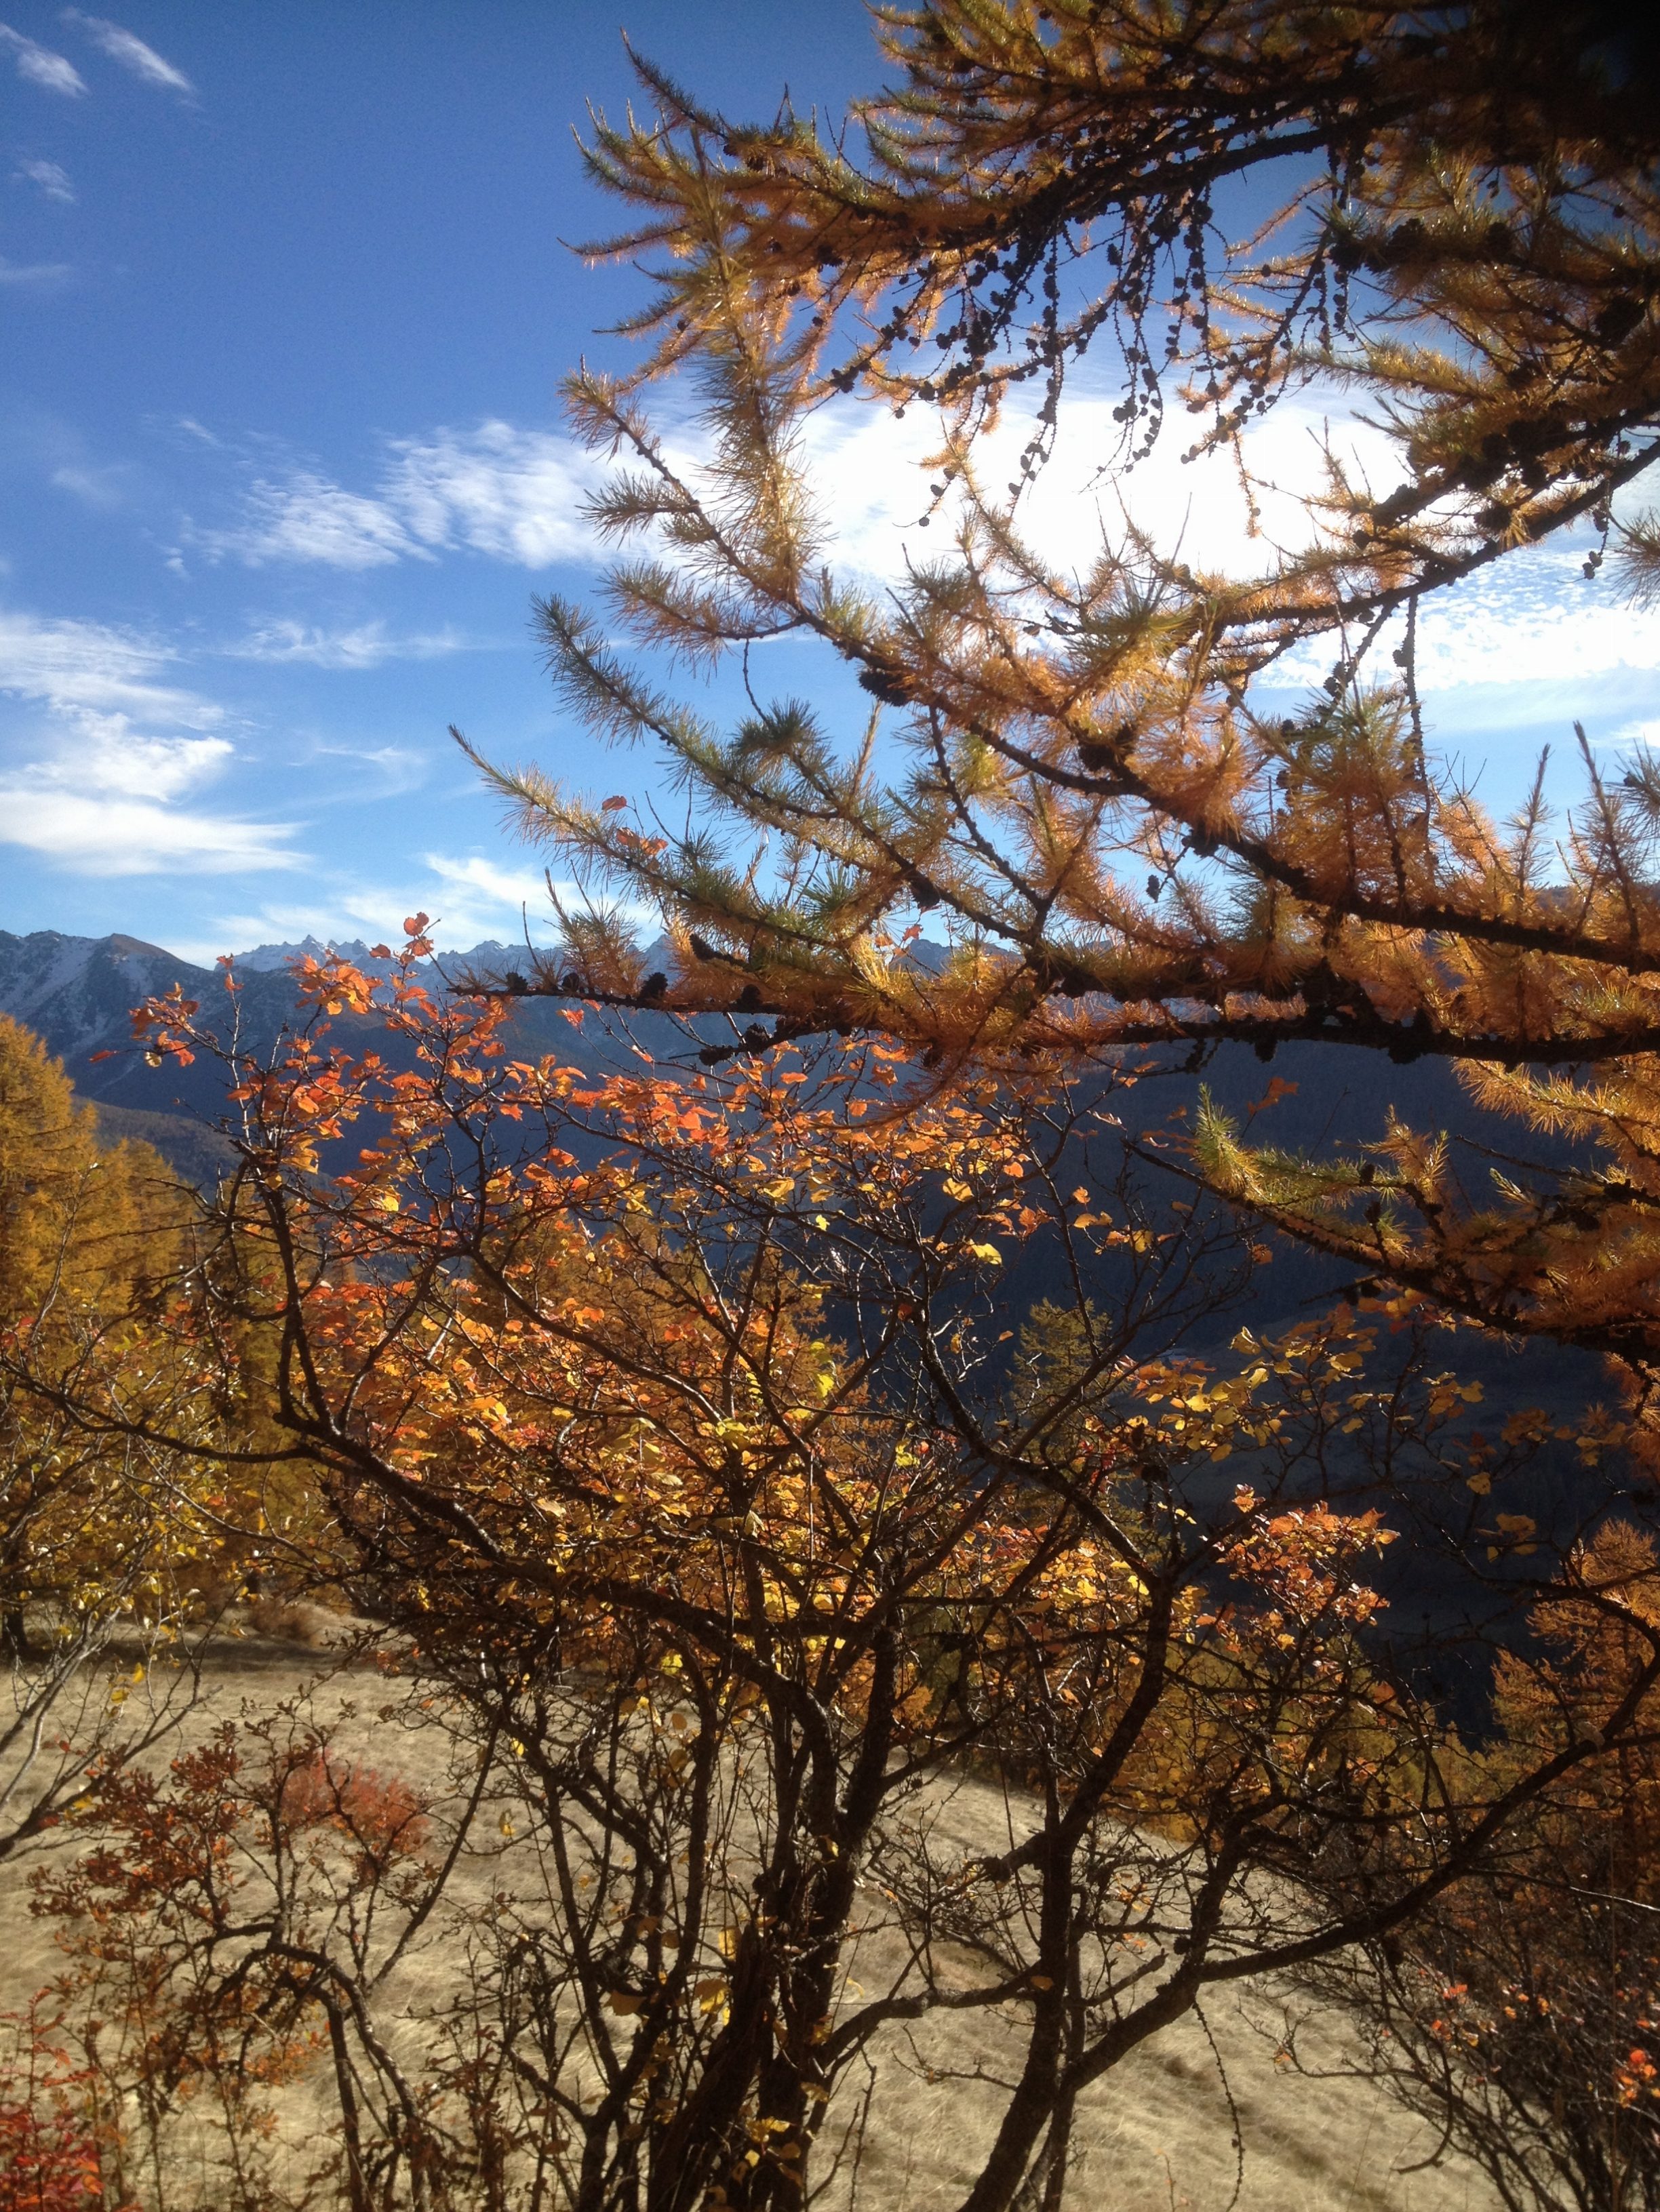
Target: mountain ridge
{"points": [[77, 993]]}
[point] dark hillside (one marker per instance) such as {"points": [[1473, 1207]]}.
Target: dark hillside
{"points": [[77, 992]]}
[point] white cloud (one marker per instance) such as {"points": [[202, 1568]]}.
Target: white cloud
{"points": [[366, 646], [120, 763], [52, 178], [872, 488], [397, 768], [101, 792], [1530, 620], [509, 493], [34, 273], [1533, 618], [104, 805], [40, 65], [1531, 636], [130, 51], [112, 836], [515, 494]]}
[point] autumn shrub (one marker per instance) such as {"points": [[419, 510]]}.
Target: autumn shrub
{"points": [[54, 2138], [1521, 2016], [230, 1927]]}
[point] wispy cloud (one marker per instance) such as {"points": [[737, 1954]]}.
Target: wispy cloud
{"points": [[476, 877], [101, 788], [108, 803], [103, 489], [41, 443], [34, 273], [130, 51], [115, 762], [368, 645], [52, 178], [40, 65], [308, 518], [75, 666], [511, 494], [395, 769], [1533, 628], [471, 899]]}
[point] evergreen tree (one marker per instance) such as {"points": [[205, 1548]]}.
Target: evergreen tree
{"points": [[1073, 774], [81, 1228], [68, 1206]]}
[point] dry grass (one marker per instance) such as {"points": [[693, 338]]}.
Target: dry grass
{"points": [[1156, 2137]]}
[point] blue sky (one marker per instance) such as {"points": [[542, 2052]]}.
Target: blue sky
{"points": [[281, 461]]}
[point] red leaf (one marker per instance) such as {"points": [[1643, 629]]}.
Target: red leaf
{"points": [[610, 806], [108, 1053]]}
